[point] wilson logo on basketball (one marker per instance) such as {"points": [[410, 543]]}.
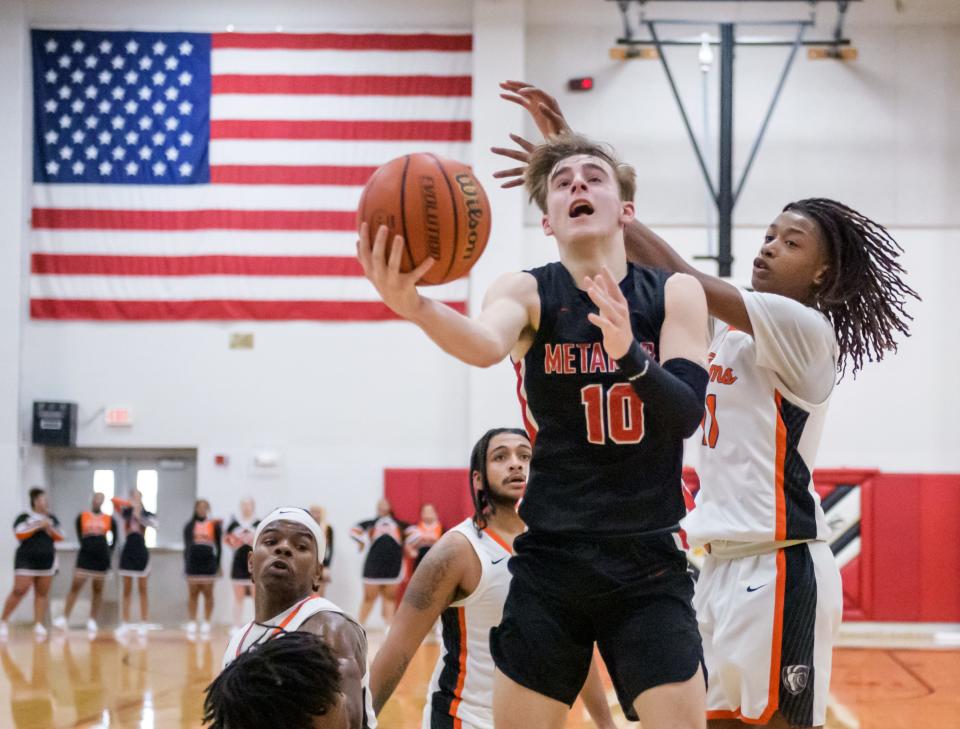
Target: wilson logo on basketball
{"points": [[475, 210]]}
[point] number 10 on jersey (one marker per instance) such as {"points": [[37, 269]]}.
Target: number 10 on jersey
{"points": [[618, 416]]}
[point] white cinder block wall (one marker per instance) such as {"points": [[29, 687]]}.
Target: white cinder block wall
{"points": [[342, 402]]}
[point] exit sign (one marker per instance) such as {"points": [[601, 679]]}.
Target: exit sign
{"points": [[119, 417]]}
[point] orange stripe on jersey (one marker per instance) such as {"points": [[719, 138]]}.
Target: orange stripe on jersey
{"points": [[462, 673], [499, 540], [21, 536], [773, 692], [780, 532], [528, 423]]}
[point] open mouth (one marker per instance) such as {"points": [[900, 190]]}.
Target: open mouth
{"points": [[280, 565], [517, 481], [761, 264], [580, 208]]}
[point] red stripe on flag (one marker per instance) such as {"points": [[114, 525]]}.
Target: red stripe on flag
{"points": [[87, 265], [343, 85], [83, 219], [104, 310], [345, 41], [289, 175], [433, 131]]}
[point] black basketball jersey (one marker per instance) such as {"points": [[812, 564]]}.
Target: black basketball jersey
{"points": [[601, 465]]}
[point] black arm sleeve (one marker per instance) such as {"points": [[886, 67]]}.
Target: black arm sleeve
{"points": [[79, 524], [676, 390], [115, 532], [218, 538]]}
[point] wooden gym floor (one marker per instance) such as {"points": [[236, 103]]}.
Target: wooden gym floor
{"points": [[157, 682]]}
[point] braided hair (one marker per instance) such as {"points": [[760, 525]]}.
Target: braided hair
{"points": [[478, 464], [284, 682], [863, 293]]}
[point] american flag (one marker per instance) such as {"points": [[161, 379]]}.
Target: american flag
{"points": [[186, 176]]}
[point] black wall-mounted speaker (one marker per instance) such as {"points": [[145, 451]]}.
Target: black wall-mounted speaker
{"points": [[55, 423]]}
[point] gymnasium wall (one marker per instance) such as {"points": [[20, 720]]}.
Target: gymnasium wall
{"points": [[340, 403]]}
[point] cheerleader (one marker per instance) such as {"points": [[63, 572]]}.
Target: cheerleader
{"points": [[93, 561], [201, 555], [239, 538], [35, 562], [135, 557], [383, 567], [424, 535], [320, 516]]}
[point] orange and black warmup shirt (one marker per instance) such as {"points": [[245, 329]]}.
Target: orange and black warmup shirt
{"points": [[202, 546], [36, 550], [92, 530]]}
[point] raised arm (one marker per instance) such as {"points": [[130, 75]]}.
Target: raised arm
{"points": [[437, 582], [483, 341], [724, 300]]}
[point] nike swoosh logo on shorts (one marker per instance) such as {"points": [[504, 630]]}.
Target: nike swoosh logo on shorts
{"points": [[754, 589], [497, 561]]}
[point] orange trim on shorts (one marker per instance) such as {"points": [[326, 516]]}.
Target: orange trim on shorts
{"points": [[780, 532], [735, 714], [499, 540], [462, 673]]}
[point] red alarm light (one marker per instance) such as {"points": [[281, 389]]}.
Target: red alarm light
{"points": [[580, 84]]}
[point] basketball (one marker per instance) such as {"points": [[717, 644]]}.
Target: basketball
{"points": [[437, 205]]}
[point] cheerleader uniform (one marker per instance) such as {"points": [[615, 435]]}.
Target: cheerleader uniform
{"points": [[135, 557], [421, 537], [93, 559], [383, 538], [201, 549], [36, 556], [240, 536]]}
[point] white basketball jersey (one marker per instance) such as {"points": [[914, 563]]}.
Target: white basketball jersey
{"points": [[289, 620], [765, 407], [462, 682]]}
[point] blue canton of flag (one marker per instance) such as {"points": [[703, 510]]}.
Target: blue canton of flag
{"points": [[121, 107]]}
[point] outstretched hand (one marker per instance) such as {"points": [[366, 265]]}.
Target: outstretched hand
{"points": [[613, 317], [398, 290], [546, 114]]}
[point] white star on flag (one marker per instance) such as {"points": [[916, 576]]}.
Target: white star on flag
{"points": [[158, 78], [90, 92], [118, 122], [64, 61], [50, 106], [131, 77], [50, 46], [172, 123], [91, 152], [51, 137], [159, 48], [131, 138], [105, 47], [159, 168], [185, 169], [132, 47], [172, 153], [145, 122], [77, 76], [77, 167], [119, 153], [90, 61], [77, 137], [131, 107], [104, 107], [144, 93], [185, 48], [186, 139], [65, 121], [66, 152], [53, 167], [118, 92], [104, 76], [64, 92], [159, 107], [77, 106], [158, 139], [172, 93], [132, 168], [77, 46], [185, 107], [118, 62], [91, 122], [171, 63], [51, 76], [145, 63], [105, 168], [145, 152], [104, 137], [185, 78]]}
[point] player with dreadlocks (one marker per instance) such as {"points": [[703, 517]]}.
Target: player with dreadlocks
{"points": [[463, 580], [292, 681], [828, 294]]}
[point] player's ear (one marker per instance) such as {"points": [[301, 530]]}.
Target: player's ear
{"points": [[318, 577], [545, 222], [628, 212], [250, 564], [477, 481]]}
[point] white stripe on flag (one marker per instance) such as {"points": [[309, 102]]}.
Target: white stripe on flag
{"points": [[197, 197], [287, 62], [198, 288], [194, 243], [313, 152], [339, 107]]}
